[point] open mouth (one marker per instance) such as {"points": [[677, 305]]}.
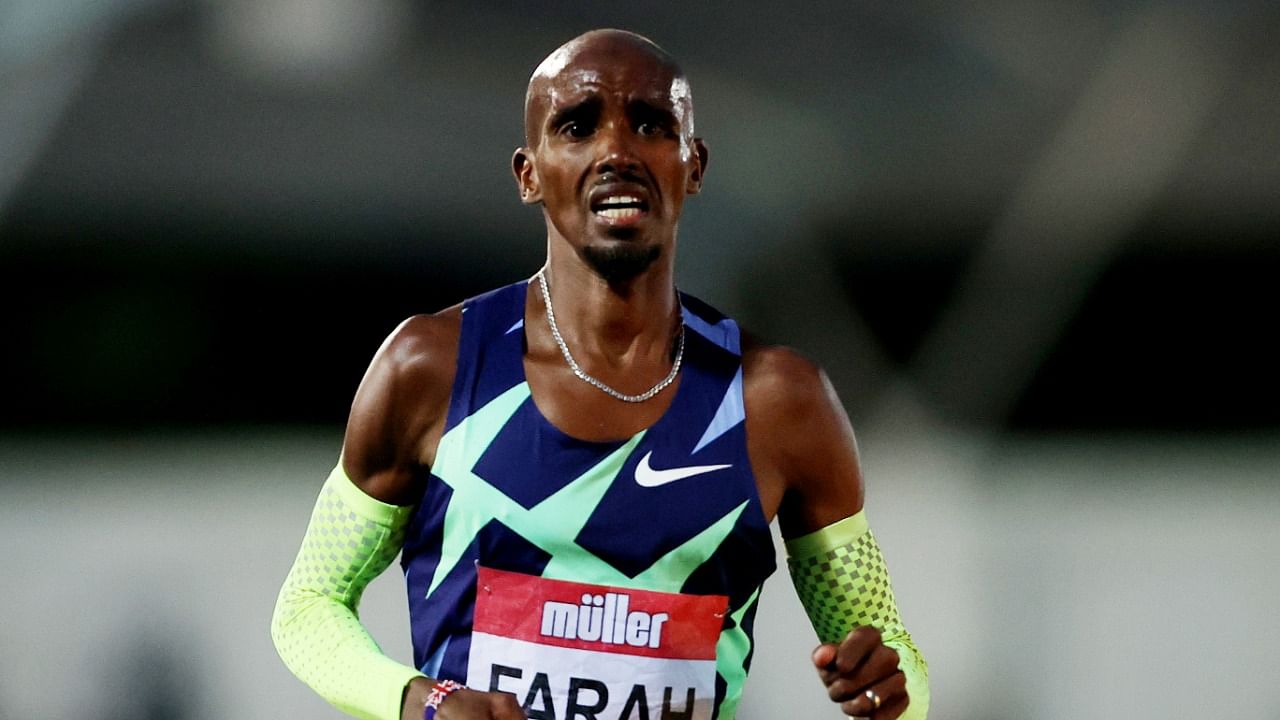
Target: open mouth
{"points": [[620, 208]]}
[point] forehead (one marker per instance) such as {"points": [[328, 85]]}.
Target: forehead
{"points": [[627, 73]]}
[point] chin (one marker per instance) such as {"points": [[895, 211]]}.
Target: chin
{"points": [[625, 234], [620, 260]]}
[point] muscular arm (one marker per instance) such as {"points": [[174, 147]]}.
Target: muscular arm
{"points": [[357, 526], [806, 460], [800, 441], [398, 413]]}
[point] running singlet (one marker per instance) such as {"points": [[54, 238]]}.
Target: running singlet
{"points": [[592, 580]]}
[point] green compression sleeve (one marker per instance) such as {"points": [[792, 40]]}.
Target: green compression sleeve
{"points": [[351, 539], [843, 583]]}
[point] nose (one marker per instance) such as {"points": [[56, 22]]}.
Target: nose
{"points": [[614, 153]]}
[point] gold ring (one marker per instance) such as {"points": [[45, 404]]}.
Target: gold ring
{"points": [[874, 698]]}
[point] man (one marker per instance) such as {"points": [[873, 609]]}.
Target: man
{"points": [[580, 469]]}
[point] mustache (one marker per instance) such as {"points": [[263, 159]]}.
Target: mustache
{"points": [[611, 177]]}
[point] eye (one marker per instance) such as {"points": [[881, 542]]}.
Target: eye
{"points": [[651, 119], [576, 129]]}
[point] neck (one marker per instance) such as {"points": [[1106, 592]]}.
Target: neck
{"points": [[618, 323]]}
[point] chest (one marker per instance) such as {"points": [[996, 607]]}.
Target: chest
{"points": [[654, 505], [585, 412]]}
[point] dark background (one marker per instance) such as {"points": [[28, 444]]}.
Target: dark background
{"points": [[204, 221]]}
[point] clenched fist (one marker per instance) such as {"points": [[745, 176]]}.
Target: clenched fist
{"points": [[861, 673]]}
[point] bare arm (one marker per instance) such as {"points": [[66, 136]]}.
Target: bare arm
{"points": [[801, 443], [366, 502], [806, 461], [396, 419], [399, 410]]}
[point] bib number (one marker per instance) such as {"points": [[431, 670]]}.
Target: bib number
{"points": [[575, 651]]}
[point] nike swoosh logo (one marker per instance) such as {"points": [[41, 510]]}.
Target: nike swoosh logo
{"points": [[646, 476]]}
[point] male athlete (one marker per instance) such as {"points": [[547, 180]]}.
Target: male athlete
{"points": [[580, 468]]}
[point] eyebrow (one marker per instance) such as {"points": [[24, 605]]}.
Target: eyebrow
{"points": [[646, 108], [574, 110]]}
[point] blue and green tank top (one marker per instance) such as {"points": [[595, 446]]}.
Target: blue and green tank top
{"points": [[672, 509]]}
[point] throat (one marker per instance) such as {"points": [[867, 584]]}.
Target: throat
{"points": [[633, 339]]}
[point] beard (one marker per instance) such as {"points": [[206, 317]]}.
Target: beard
{"points": [[618, 263]]}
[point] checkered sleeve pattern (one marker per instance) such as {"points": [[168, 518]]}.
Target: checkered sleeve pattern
{"points": [[843, 583], [351, 539], [846, 587]]}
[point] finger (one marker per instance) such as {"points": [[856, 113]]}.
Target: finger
{"points": [[823, 655], [886, 692], [882, 663], [841, 659], [857, 645], [879, 663], [894, 708], [880, 666]]}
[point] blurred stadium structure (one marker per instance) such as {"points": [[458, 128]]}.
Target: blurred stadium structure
{"points": [[1035, 244]]}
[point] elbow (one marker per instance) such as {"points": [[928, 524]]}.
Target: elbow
{"points": [[289, 603], [280, 617]]}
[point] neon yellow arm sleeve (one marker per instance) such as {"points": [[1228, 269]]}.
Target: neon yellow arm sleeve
{"points": [[352, 538], [843, 583]]}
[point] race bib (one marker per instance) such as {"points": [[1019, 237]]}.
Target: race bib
{"points": [[573, 651]]}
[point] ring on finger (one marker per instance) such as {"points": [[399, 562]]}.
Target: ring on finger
{"points": [[874, 698]]}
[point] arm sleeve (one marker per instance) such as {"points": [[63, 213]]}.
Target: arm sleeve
{"points": [[351, 539], [843, 583]]}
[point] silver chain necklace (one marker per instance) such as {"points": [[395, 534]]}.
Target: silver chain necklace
{"points": [[583, 376]]}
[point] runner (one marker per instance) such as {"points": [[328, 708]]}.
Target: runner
{"points": [[579, 469]]}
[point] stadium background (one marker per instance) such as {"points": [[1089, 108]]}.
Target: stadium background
{"points": [[1034, 243]]}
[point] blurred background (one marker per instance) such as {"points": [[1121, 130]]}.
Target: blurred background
{"points": [[1034, 244]]}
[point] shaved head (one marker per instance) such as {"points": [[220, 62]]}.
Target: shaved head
{"points": [[597, 46]]}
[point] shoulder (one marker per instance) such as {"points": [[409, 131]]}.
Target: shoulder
{"points": [[800, 439], [401, 404], [418, 356], [422, 345], [781, 382]]}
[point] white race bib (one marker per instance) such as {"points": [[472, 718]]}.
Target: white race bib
{"points": [[574, 651]]}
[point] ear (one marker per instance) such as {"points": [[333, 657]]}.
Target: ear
{"points": [[694, 184], [526, 176]]}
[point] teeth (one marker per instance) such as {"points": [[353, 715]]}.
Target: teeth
{"points": [[620, 200], [619, 213]]}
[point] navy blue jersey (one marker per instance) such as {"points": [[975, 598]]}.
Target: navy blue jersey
{"points": [[672, 509]]}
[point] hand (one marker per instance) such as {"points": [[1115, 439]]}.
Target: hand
{"points": [[860, 664], [477, 705], [464, 704]]}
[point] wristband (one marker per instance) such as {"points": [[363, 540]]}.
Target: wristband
{"points": [[437, 695]]}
